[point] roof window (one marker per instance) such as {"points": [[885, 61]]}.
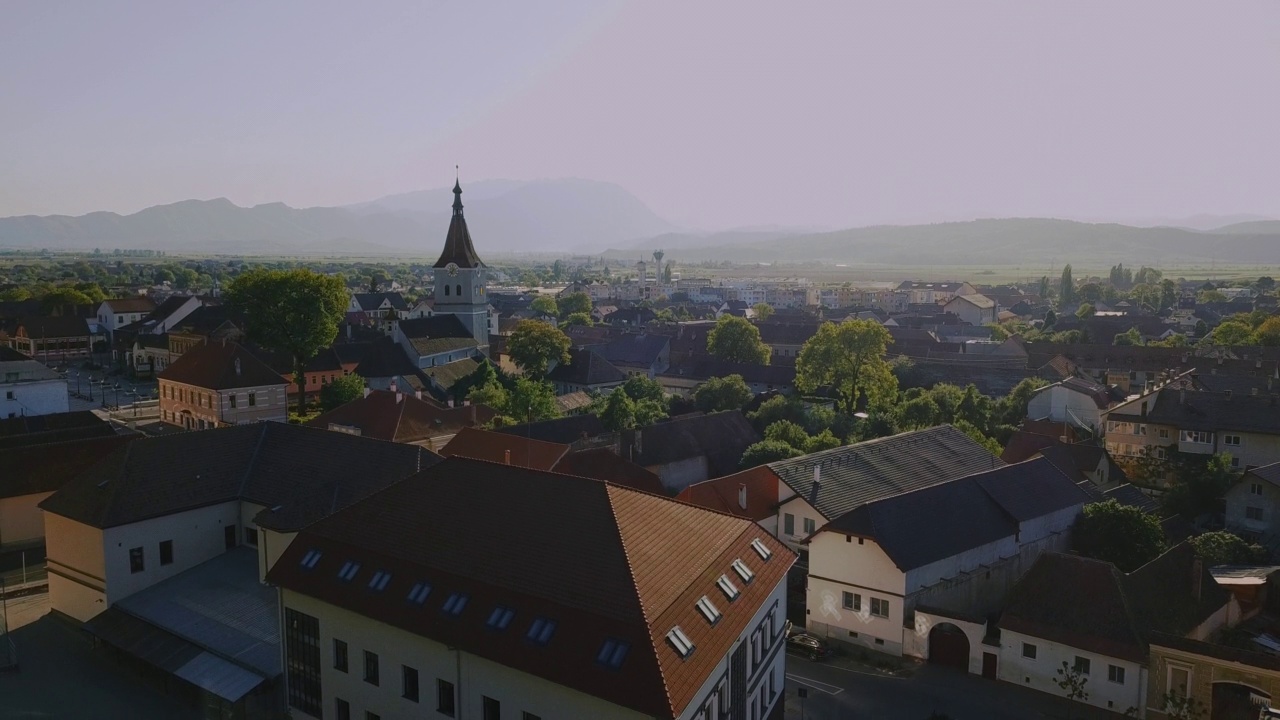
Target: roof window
{"points": [[728, 588], [612, 653], [500, 618], [456, 602], [310, 559], [541, 630], [349, 570], [419, 592], [708, 610], [743, 571], [761, 549], [380, 580], [680, 641]]}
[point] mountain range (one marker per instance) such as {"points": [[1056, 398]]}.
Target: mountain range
{"points": [[584, 216]]}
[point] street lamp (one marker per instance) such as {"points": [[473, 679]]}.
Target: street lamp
{"points": [[91, 388], [77, 383], [116, 396]]}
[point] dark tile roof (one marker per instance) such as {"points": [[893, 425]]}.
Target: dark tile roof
{"points": [[33, 469], [642, 349], [457, 243], [401, 417], [131, 305], [868, 471], [385, 359], [705, 369], [25, 430], [1268, 473], [565, 430], [221, 366], [605, 464], [1031, 489], [504, 448], [204, 320], [150, 340], [436, 326], [633, 567], [372, 301], [304, 472], [447, 375], [1132, 496], [586, 367], [1204, 411], [720, 437], [54, 326], [426, 346]]}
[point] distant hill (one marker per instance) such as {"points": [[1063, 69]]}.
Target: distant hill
{"points": [[504, 216], [1256, 227]]}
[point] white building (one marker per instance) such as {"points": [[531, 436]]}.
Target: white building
{"points": [[1076, 401], [388, 612], [29, 387], [116, 313], [974, 309]]}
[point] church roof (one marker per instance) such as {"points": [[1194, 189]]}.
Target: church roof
{"points": [[457, 244]]}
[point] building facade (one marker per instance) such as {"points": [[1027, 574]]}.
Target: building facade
{"points": [[460, 278]]}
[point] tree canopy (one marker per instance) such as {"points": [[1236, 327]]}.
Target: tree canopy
{"points": [[767, 451], [736, 340], [578, 302], [849, 358], [763, 311], [341, 391], [546, 304], [1120, 534], [1225, 548], [722, 393], [534, 345]]}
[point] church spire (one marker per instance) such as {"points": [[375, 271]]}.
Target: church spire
{"points": [[457, 192], [458, 249]]}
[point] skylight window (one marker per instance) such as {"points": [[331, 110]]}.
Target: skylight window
{"points": [[761, 549], [349, 570], [455, 603], [728, 588], [380, 580], [680, 641], [612, 653], [500, 618], [541, 630], [418, 594], [743, 571], [708, 610], [310, 559]]}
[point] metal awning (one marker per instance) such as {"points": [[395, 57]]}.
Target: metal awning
{"points": [[227, 681]]}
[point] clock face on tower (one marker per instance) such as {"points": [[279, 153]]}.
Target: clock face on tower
{"points": [[452, 269]]}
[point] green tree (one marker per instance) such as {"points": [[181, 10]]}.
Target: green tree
{"points": [[1231, 332], [1202, 328], [534, 345], [1264, 283], [650, 411], [1129, 337], [490, 394], [62, 296], [577, 319], [922, 412], [531, 401], [974, 408], [979, 437], [824, 440], [545, 304], [578, 302], [1224, 548], [1072, 681], [1050, 319], [1119, 534], [767, 451], [1085, 311], [1168, 294], [1043, 289], [785, 431], [1209, 296], [849, 358], [619, 412], [1012, 408], [640, 387], [724, 393], [290, 311], [1199, 484], [736, 340], [341, 391], [1067, 295], [185, 278], [1268, 333], [763, 311]]}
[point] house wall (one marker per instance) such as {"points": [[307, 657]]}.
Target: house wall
{"points": [[1041, 672], [1205, 673], [915, 640], [838, 563], [20, 518], [927, 575], [1062, 404], [271, 545], [197, 536], [213, 407], [77, 567], [33, 397], [800, 509], [1241, 497], [678, 475]]}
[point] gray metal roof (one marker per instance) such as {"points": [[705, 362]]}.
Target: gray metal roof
{"points": [[218, 676], [876, 469]]}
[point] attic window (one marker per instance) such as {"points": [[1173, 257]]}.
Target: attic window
{"points": [[709, 611], [500, 618], [455, 603], [680, 641], [743, 571], [763, 551], [349, 570], [728, 588], [541, 630], [380, 580], [419, 593], [612, 653], [310, 559]]}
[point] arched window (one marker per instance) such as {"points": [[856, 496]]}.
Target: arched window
{"points": [[459, 291], [446, 289]]}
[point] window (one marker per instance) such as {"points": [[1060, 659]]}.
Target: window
{"points": [[446, 290], [728, 588], [1164, 433], [1231, 440], [458, 291], [612, 653], [418, 594], [1255, 488], [166, 552], [708, 610], [788, 524], [810, 526], [1115, 674], [341, 709], [1139, 429], [541, 630], [232, 398], [500, 618], [310, 559], [761, 549], [302, 661], [492, 708], [1235, 462], [1029, 651], [1081, 665], [409, 680], [1179, 681], [680, 641], [371, 667], [852, 601], [743, 571], [339, 655], [1196, 436], [379, 581], [253, 399], [136, 561], [349, 570], [229, 536], [455, 604], [880, 608], [444, 697], [251, 536], [1253, 513]]}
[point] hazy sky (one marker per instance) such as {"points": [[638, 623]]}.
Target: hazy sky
{"points": [[715, 114]]}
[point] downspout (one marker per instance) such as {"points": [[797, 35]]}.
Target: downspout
{"points": [[459, 706]]}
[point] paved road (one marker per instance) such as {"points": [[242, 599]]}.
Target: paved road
{"points": [[840, 693]]}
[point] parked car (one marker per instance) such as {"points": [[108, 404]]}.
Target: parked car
{"points": [[811, 646]]}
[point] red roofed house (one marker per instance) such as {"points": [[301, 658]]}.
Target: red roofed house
{"points": [[219, 384], [402, 418]]}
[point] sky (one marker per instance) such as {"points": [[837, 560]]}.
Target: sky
{"points": [[715, 114]]}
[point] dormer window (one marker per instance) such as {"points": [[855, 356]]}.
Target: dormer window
{"points": [[541, 630], [310, 559], [743, 571], [613, 653], [455, 604], [708, 610], [681, 642], [418, 594], [728, 588], [761, 549], [349, 570], [500, 618], [380, 580]]}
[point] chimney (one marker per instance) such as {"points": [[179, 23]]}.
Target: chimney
{"points": [[237, 367], [367, 391], [417, 394], [393, 386], [1197, 577], [506, 457], [399, 398], [817, 485], [742, 496]]}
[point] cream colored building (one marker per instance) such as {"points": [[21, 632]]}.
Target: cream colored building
{"points": [[221, 383]]}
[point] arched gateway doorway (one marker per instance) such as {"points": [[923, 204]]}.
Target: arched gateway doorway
{"points": [[949, 646]]}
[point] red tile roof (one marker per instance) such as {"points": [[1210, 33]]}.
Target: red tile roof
{"points": [[721, 494], [504, 448], [604, 464], [131, 305], [221, 366], [401, 417]]}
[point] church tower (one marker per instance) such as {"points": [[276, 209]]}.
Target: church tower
{"points": [[460, 277]]}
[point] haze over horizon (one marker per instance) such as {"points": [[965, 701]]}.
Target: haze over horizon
{"points": [[715, 115]]}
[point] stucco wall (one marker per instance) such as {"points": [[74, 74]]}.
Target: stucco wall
{"points": [[1240, 497], [1061, 404], [197, 536], [800, 509], [838, 564], [35, 397], [77, 573], [1041, 672], [271, 545], [20, 519], [678, 475]]}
